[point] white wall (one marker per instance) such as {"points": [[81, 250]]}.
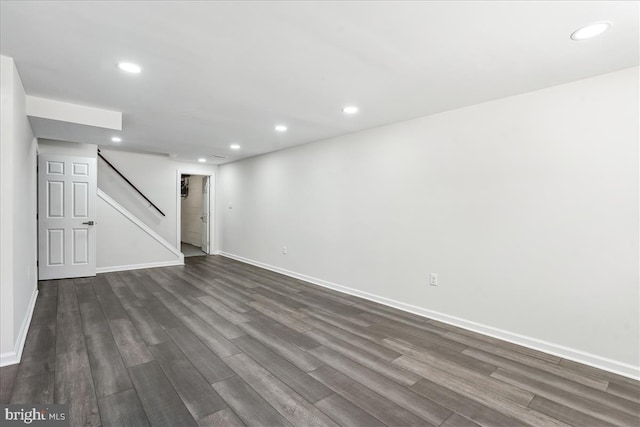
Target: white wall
{"points": [[48, 146], [526, 207], [157, 177], [76, 114], [191, 224], [124, 243], [18, 226]]}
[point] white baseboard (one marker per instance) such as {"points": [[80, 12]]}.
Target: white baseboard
{"points": [[579, 356], [13, 357], [139, 266]]}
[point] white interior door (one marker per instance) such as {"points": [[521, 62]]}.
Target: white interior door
{"points": [[66, 216], [205, 214]]}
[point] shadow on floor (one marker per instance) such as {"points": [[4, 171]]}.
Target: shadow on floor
{"points": [[190, 250]]}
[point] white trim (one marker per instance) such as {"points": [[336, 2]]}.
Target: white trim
{"points": [[590, 359], [140, 266], [104, 196], [13, 357], [211, 176]]}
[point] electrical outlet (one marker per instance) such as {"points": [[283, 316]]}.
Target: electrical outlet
{"points": [[284, 250], [433, 279]]}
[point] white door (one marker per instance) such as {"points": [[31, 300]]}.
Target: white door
{"points": [[205, 214], [66, 216]]}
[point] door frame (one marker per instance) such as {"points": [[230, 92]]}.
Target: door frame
{"points": [[211, 202]]}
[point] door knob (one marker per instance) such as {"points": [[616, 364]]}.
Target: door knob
{"points": [[89, 223]]}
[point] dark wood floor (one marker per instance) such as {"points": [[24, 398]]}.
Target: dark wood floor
{"points": [[218, 342]]}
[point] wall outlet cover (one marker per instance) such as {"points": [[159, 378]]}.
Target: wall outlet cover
{"points": [[433, 279]]}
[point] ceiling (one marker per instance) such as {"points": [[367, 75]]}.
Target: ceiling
{"points": [[217, 73]]}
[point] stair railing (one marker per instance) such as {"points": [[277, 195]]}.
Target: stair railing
{"points": [[130, 183]]}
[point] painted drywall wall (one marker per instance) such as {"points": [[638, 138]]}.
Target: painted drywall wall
{"points": [[526, 207], [191, 224], [131, 246], [66, 112], [6, 200], [18, 227], [157, 177], [48, 146]]}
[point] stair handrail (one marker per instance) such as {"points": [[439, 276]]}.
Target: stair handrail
{"points": [[130, 183]]}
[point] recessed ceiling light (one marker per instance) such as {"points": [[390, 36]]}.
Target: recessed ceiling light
{"points": [[591, 30], [116, 139], [129, 67], [350, 109], [281, 128], [202, 160], [234, 146]]}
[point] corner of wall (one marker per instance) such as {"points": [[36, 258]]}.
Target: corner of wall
{"points": [[590, 359], [18, 177], [12, 357]]}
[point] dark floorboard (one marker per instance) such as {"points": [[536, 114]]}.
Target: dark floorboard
{"points": [[8, 376], [222, 343], [122, 409]]}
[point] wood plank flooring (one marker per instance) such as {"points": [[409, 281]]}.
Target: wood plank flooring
{"points": [[221, 343]]}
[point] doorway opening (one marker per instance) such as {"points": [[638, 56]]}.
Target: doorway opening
{"points": [[194, 214]]}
